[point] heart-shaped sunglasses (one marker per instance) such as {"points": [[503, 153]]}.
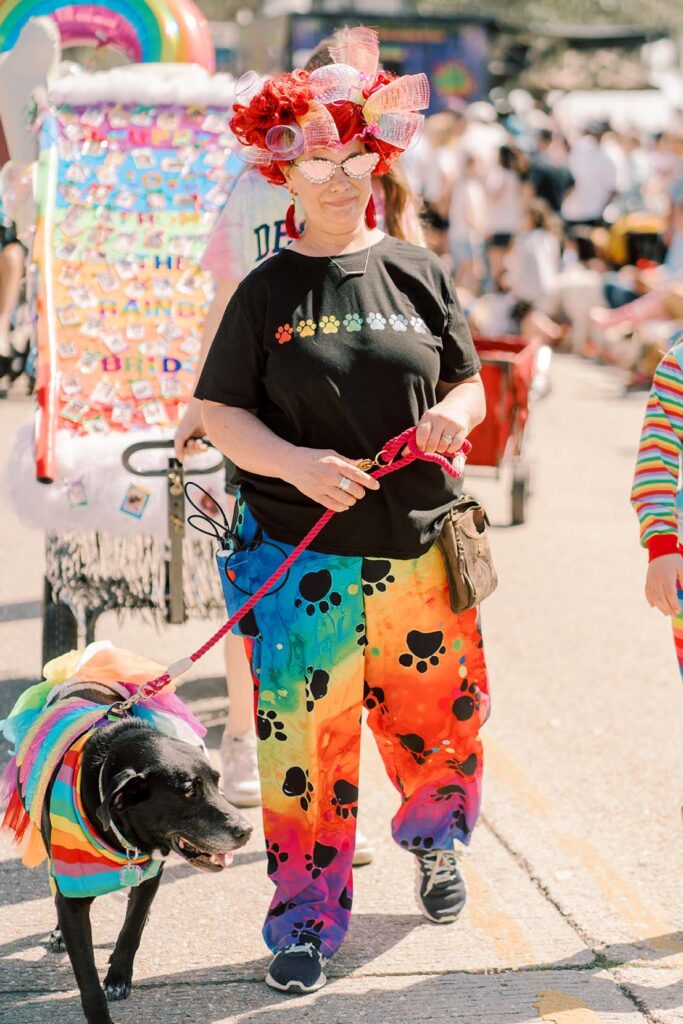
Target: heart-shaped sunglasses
{"points": [[318, 170]]}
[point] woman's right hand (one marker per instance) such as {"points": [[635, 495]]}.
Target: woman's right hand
{"points": [[318, 473], [189, 432], [664, 575]]}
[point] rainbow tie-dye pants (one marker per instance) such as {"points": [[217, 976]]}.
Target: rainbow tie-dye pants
{"points": [[342, 633]]}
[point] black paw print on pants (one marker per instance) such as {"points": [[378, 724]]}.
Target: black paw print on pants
{"points": [[468, 702], [448, 793], [317, 681], [345, 799], [322, 858], [308, 931], [373, 697], [345, 901], [460, 821], [376, 573], [298, 784], [415, 745], [466, 767], [423, 648], [267, 725], [275, 856], [248, 626], [418, 844], [316, 590], [281, 908]]}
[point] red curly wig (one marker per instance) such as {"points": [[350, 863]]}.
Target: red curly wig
{"points": [[288, 96]]}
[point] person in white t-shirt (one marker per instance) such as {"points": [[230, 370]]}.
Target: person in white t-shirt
{"points": [[467, 226], [595, 179], [504, 201], [534, 261]]}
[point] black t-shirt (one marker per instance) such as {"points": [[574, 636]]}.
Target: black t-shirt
{"points": [[551, 183], [332, 360]]}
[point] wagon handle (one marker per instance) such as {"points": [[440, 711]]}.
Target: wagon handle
{"points": [[129, 453]]}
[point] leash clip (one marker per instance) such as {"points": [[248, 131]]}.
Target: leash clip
{"points": [[118, 711], [367, 464]]}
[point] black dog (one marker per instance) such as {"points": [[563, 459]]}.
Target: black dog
{"points": [[161, 795]]}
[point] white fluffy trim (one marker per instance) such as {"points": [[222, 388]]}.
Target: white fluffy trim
{"points": [[148, 84], [91, 468]]}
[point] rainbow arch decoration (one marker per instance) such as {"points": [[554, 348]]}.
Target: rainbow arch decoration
{"points": [[143, 30]]}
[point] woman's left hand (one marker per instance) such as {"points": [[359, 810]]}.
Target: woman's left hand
{"points": [[441, 431]]}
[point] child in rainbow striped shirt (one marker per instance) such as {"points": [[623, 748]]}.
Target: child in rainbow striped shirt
{"points": [[656, 489]]}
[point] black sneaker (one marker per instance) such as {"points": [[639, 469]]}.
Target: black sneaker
{"points": [[439, 887], [297, 969]]}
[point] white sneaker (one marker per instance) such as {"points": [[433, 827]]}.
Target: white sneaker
{"points": [[363, 852], [239, 765]]}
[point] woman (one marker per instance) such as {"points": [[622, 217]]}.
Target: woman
{"points": [[504, 195], [249, 230], [466, 217], [330, 348]]}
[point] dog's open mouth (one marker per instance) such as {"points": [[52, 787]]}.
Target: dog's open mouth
{"points": [[205, 859]]}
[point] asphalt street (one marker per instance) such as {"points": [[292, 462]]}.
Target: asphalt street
{"points": [[575, 900]]}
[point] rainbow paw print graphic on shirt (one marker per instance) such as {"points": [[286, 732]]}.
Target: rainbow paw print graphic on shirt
{"points": [[306, 328], [353, 322], [376, 321], [284, 333], [329, 324], [418, 325], [398, 322]]}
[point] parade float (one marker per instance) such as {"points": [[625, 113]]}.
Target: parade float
{"points": [[133, 166]]}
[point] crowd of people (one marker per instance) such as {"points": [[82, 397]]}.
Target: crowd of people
{"points": [[570, 234]]}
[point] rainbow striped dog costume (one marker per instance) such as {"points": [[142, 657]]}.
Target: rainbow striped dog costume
{"points": [[49, 730]]}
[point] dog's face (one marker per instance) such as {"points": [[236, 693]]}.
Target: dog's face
{"points": [[164, 795]]}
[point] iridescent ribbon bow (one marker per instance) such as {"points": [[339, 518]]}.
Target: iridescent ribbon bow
{"points": [[390, 113]]}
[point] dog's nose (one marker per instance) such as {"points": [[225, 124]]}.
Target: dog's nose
{"points": [[242, 830]]}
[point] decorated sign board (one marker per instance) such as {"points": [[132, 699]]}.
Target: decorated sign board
{"points": [[127, 197]]}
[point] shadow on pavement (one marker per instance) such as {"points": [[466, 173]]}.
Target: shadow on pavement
{"points": [[209, 996], [16, 610]]}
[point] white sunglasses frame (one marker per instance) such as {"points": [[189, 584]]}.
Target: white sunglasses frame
{"points": [[334, 166]]}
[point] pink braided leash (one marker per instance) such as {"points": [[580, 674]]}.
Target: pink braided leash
{"points": [[385, 464]]}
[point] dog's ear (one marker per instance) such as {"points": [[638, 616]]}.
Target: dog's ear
{"points": [[128, 787]]}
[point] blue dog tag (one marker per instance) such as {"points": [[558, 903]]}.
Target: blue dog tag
{"points": [[130, 875]]}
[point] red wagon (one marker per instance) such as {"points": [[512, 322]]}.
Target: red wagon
{"points": [[508, 369]]}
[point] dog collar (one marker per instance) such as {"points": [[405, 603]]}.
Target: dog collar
{"points": [[131, 873]]}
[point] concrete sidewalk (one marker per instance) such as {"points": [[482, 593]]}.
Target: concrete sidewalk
{"points": [[575, 899]]}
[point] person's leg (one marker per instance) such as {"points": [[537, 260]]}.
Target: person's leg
{"points": [[539, 326], [427, 693], [11, 270], [496, 258], [238, 745], [307, 659], [647, 307], [617, 293]]}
